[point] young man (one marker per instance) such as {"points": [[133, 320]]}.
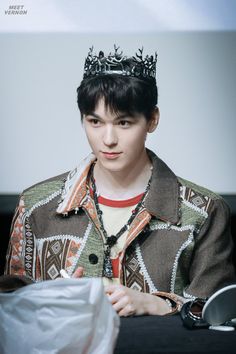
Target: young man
{"points": [[122, 214]]}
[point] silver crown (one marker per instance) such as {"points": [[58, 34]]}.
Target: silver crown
{"points": [[117, 63]]}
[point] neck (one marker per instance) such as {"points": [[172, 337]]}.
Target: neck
{"points": [[123, 184]]}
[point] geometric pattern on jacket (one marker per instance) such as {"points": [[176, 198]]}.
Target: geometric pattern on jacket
{"points": [[178, 243]]}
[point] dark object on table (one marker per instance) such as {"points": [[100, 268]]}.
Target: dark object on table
{"points": [[191, 314], [9, 283], [221, 306], [216, 310]]}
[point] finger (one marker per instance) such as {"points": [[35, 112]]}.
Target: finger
{"points": [[78, 273], [121, 304], [127, 311], [109, 289], [116, 295]]}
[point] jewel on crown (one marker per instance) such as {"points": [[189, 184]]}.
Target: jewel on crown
{"points": [[117, 63]]}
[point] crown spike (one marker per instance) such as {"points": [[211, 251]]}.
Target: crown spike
{"points": [[117, 63]]}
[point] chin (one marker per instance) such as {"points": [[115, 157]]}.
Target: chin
{"points": [[113, 166]]}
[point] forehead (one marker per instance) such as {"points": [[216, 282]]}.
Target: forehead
{"points": [[107, 113]]}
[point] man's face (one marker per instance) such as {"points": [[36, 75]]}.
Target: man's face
{"points": [[117, 140]]}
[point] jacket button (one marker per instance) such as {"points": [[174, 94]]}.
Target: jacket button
{"points": [[93, 259]]}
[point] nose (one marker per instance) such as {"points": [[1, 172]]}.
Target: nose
{"points": [[110, 136]]}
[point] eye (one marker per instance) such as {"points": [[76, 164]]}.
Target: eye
{"points": [[94, 122], [124, 123]]}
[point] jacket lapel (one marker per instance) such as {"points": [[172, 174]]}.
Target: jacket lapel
{"points": [[162, 200]]}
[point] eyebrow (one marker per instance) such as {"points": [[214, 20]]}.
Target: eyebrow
{"points": [[124, 115]]}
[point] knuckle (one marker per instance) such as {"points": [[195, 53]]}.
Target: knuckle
{"points": [[127, 299], [122, 292]]}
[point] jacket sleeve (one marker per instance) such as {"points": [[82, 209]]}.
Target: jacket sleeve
{"points": [[212, 263], [21, 256]]}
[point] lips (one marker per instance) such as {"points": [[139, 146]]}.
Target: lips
{"points": [[111, 155]]}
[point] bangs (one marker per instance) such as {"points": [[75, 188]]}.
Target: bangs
{"points": [[121, 94]]}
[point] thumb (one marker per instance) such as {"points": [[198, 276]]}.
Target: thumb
{"points": [[78, 273]]}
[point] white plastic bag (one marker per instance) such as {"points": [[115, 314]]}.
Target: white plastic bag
{"points": [[66, 316]]}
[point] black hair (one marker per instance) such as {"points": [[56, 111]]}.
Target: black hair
{"points": [[123, 94]]}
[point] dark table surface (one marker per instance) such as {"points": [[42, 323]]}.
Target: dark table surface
{"points": [[155, 334]]}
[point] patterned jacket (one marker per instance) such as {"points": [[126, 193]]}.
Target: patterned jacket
{"points": [[178, 243]]}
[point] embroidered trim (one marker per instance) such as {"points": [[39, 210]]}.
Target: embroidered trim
{"points": [[184, 245], [170, 227], [188, 296], [182, 190], [144, 271], [71, 269], [29, 250], [43, 202], [194, 207], [59, 237]]}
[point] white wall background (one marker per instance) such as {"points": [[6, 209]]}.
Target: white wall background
{"points": [[41, 134]]}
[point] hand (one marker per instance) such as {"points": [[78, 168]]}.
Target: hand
{"points": [[128, 302], [77, 274]]}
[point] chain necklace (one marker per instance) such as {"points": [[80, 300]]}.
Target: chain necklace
{"points": [[112, 240]]}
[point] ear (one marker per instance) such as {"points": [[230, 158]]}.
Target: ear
{"points": [[153, 123]]}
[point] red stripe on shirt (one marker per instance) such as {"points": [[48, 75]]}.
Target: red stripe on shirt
{"points": [[115, 267], [119, 203]]}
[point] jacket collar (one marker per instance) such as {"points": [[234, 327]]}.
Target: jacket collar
{"points": [[162, 200], [75, 187]]}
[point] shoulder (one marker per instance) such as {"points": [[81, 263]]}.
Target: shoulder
{"points": [[44, 190], [200, 198], [195, 188]]}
